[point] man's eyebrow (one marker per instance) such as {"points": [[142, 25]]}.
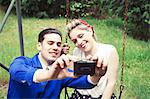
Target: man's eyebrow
{"points": [[53, 41], [50, 41]]}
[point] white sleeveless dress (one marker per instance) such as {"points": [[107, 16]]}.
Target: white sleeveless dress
{"points": [[99, 89]]}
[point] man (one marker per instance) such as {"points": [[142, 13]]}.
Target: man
{"points": [[45, 74]]}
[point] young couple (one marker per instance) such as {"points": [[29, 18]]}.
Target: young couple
{"points": [[46, 74]]}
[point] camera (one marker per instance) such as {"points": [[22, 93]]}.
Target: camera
{"points": [[84, 67]]}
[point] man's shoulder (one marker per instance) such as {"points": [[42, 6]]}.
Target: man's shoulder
{"points": [[22, 58], [25, 59]]}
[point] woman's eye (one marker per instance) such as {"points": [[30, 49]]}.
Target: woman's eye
{"points": [[80, 36]]}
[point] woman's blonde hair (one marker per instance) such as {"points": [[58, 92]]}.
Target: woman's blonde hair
{"points": [[81, 24]]}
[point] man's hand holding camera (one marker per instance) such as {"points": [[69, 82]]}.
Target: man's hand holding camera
{"points": [[60, 66]]}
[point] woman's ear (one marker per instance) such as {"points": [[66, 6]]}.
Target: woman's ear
{"points": [[93, 33], [90, 31], [39, 46]]}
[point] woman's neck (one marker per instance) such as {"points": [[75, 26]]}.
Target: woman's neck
{"points": [[94, 50]]}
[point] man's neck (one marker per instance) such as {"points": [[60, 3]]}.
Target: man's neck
{"points": [[45, 63], [42, 61]]}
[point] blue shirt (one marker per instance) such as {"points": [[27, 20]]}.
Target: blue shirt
{"points": [[21, 83]]}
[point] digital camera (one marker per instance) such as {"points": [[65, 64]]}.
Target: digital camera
{"points": [[84, 67]]}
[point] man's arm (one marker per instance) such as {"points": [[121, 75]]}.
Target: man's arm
{"points": [[58, 70], [41, 75], [21, 70]]}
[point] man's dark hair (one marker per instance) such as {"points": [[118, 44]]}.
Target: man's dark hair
{"points": [[48, 31]]}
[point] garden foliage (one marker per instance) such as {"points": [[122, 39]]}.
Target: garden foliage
{"points": [[138, 11]]}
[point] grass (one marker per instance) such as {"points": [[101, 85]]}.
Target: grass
{"points": [[137, 53]]}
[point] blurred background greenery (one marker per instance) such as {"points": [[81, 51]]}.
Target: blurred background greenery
{"points": [[107, 19]]}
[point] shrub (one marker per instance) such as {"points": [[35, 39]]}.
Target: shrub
{"points": [[138, 11], [138, 18], [38, 8]]}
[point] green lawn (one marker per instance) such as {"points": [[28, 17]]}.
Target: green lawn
{"points": [[137, 53]]}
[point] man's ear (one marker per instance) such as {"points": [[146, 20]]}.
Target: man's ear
{"points": [[39, 46]]}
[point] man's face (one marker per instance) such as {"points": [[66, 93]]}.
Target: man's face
{"points": [[50, 48]]}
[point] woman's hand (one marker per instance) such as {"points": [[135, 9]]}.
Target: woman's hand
{"points": [[101, 66]]}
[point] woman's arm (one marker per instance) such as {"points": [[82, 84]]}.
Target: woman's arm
{"points": [[112, 73]]}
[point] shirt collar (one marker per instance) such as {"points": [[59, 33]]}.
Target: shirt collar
{"points": [[36, 62], [43, 65]]}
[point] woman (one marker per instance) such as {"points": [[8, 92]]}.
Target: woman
{"points": [[84, 38]]}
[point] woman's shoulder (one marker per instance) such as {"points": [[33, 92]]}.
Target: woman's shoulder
{"points": [[107, 47]]}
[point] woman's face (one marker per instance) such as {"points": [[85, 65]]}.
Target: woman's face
{"points": [[83, 39]]}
